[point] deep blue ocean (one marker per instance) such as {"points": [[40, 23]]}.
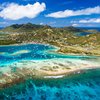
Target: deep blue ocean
{"points": [[90, 28], [83, 86], [87, 33]]}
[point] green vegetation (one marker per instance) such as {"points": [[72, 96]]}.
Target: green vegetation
{"points": [[66, 38]]}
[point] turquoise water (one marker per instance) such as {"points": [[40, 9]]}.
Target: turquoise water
{"points": [[35, 52], [83, 86]]}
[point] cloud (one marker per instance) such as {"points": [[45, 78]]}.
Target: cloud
{"points": [[41, 23], [69, 13], [94, 20], [74, 25], [14, 11]]}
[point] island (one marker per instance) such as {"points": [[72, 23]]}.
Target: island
{"points": [[66, 51], [70, 40]]}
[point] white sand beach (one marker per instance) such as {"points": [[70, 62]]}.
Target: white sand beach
{"points": [[50, 68]]}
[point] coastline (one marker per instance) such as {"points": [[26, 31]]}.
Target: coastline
{"points": [[53, 68], [50, 68], [61, 49]]}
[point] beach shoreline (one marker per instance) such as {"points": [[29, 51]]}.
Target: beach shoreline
{"points": [[61, 49], [53, 68]]}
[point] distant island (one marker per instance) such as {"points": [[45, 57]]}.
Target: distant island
{"points": [[71, 40]]}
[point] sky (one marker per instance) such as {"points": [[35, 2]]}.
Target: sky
{"points": [[56, 13]]}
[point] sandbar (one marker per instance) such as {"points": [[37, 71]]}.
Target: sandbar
{"points": [[50, 68]]}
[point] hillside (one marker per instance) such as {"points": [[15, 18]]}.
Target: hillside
{"points": [[66, 38]]}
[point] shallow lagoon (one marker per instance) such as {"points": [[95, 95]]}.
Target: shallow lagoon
{"points": [[13, 53], [82, 86]]}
